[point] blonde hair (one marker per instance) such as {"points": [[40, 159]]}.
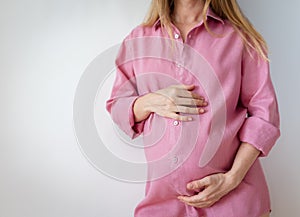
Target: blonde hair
{"points": [[225, 9]]}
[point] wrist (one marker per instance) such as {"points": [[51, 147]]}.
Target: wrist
{"points": [[142, 108], [144, 103], [235, 177], [147, 102]]}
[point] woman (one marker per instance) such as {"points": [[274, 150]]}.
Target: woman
{"points": [[229, 183]]}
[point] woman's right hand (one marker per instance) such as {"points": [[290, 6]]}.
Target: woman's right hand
{"points": [[169, 102]]}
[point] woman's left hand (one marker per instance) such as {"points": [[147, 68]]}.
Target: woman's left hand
{"points": [[211, 189]]}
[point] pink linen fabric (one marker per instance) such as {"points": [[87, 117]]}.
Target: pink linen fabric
{"points": [[249, 104]]}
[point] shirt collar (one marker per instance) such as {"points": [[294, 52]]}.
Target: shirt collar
{"points": [[209, 13]]}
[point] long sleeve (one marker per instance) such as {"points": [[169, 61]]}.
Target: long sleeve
{"points": [[123, 95], [261, 127]]}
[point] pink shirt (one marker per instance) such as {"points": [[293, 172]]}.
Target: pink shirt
{"points": [[242, 108]]}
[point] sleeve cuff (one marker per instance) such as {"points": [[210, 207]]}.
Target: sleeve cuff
{"points": [[136, 127], [259, 133], [122, 113]]}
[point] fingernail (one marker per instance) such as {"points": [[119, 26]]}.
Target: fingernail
{"points": [[205, 103], [201, 110], [190, 118]]}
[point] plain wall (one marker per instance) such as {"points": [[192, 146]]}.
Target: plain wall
{"points": [[45, 47]]}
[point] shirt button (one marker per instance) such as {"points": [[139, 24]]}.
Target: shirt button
{"points": [[175, 159], [176, 36], [176, 123], [178, 65]]}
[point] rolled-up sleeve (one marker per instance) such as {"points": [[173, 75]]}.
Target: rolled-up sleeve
{"points": [[261, 127], [123, 95]]}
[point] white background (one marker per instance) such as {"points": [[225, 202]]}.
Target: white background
{"points": [[45, 45]]}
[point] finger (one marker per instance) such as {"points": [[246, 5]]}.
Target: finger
{"points": [[198, 184], [200, 205], [178, 117], [184, 86], [189, 110], [193, 200], [187, 86], [189, 101], [208, 194], [197, 202], [189, 199], [189, 94]]}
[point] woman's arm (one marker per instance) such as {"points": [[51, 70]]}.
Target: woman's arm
{"points": [[218, 185], [258, 134], [244, 159]]}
